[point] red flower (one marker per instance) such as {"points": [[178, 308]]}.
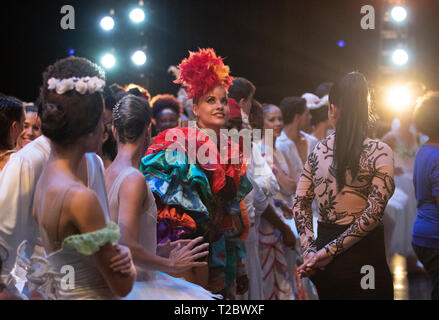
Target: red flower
{"points": [[202, 72]]}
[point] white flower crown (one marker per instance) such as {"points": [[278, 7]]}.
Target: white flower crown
{"points": [[81, 85]]}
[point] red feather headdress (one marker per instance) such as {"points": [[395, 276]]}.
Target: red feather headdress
{"points": [[202, 72]]}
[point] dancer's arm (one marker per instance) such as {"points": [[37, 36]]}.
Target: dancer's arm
{"points": [[302, 208], [288, 237], [132, 196], [287, 183], [87, 216]]}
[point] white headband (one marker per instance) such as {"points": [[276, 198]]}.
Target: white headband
{"points": [[81, 85]]}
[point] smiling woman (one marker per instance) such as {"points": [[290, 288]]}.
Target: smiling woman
{"points": [[203, 199], [31, 127], [212, 109]]}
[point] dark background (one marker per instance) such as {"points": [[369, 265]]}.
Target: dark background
{"points": [[286, 47]]}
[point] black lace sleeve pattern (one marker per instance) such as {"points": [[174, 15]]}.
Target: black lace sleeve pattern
{"points": [[360, 204], [302, 208]]}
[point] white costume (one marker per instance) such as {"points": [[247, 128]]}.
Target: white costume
{"points": [[18, 180], [287, 148], [276, 261], [153, 285], [264, 187], [75, 252]]}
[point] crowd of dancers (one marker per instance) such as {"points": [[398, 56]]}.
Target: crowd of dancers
{"points": [[109, 193]]}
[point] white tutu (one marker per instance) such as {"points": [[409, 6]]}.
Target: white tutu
{"points": [[165, 287]]}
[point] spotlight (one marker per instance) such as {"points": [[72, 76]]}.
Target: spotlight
{"points": [[107, 23], [139, 58], [137, 15], [400, 57], [108, 61], [399, 97], [398, 14]]}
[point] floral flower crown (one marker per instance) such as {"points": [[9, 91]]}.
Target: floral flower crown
{"points": [[81, 85], [201, 72]]}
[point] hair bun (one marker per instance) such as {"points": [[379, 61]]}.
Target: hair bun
{"points": [[53, 117], [53, 110]]}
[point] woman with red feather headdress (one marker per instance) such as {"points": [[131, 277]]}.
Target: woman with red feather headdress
{"points": [[196, 197]]}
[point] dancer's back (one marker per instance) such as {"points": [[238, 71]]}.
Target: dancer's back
{"points": [[55, 192]]}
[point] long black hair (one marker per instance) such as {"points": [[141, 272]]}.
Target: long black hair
{"points": [[351, 97]]}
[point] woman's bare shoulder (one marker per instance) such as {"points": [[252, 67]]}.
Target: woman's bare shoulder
{"points": [[82, 203], [134, 182], [80, 197]]}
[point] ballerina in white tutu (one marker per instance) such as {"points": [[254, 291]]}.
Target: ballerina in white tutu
{"points": [[132, 206]]}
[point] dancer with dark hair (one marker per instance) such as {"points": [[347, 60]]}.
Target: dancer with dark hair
{"points": [[241, 93], [319, 121], [31, 127], [294, 143], [73, 225], [11, 125], [352, 178], [275, 235], [132, 206], [166, 111]]}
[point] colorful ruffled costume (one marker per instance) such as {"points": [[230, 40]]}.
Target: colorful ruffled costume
{"points": [[196, 197], [190, 195]]}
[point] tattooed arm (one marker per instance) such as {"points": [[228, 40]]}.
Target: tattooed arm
{"points": [[302, 208], [381, 189]]}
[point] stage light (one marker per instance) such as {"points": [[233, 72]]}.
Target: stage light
{"points": [[400, 57], [107, 23], [399, 97], [341, 44], [137, 15], [398, 14], [139, 58], [108, 61], [71, 52]]}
